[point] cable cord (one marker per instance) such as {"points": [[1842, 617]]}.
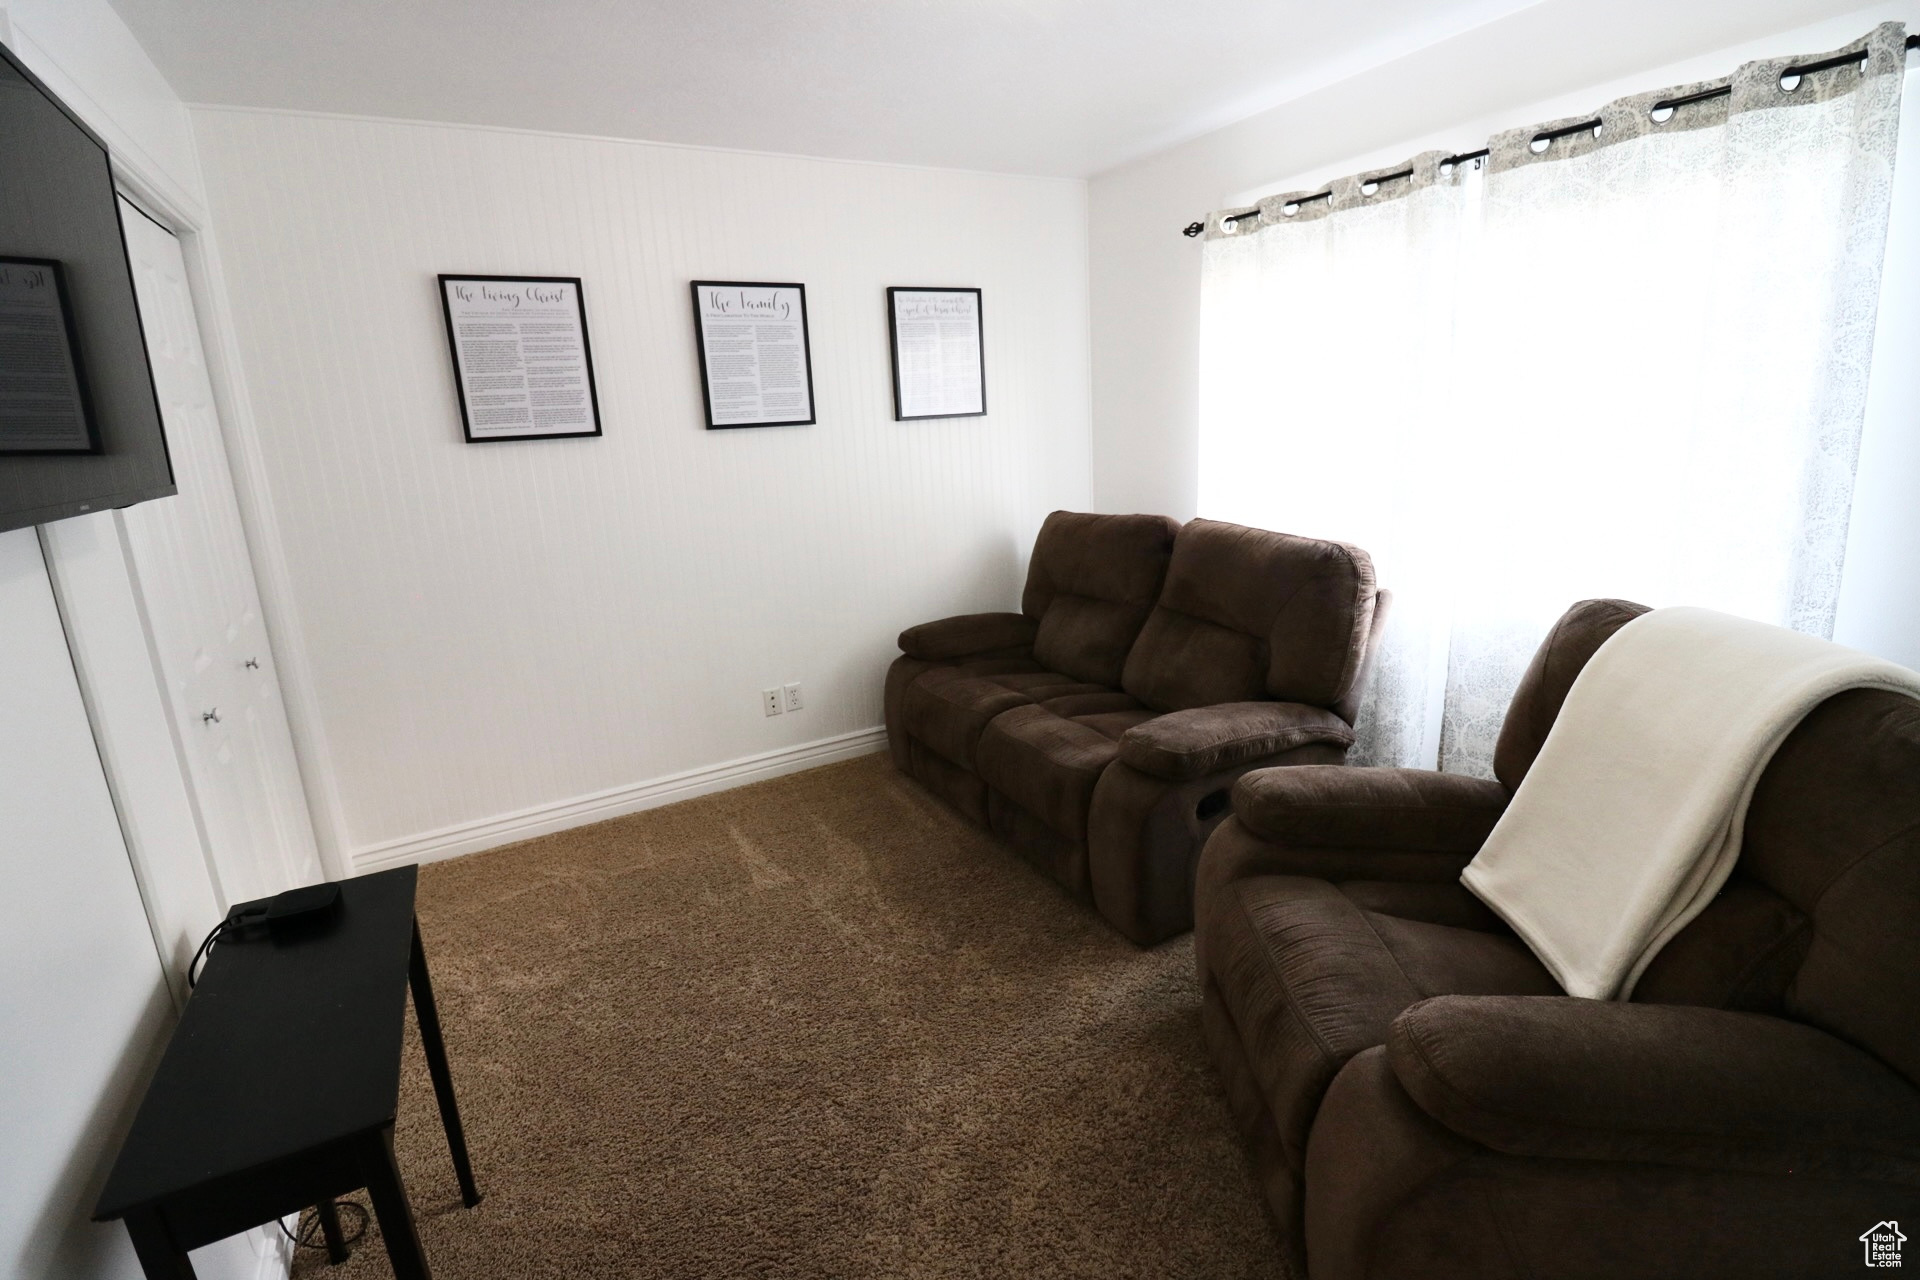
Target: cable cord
{"points": [[206, 948], [313, 1236], [238, 920]]}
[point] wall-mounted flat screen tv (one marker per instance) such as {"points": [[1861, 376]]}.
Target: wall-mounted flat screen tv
{"points": [[79, 423]]}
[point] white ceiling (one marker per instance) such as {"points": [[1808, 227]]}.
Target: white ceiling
{"points": [[1064, 87]]}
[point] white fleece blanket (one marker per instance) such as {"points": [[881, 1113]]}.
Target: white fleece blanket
{"points": [[1629, 822]]}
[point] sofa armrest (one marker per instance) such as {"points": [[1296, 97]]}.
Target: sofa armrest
{"points": [[1344, 807], [968, 634], [1560, 1078], [1191, 744]]}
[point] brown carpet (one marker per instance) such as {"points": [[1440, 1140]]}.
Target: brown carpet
{"points": [[814, 1027]]}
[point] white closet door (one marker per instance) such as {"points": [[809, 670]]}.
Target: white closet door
{"points": [[203, 608]]}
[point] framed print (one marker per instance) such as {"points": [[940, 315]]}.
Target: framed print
{"points": [[756, 363], [522, 364], [938, 367], [44, 406]]}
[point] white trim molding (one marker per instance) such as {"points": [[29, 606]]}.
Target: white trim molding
{"points": [[540, 820]]}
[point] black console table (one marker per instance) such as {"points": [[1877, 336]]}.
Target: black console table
{"points": [[280, 1085]]}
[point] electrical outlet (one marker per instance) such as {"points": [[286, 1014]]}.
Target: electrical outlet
{"points": [[793, 697], [770, 701]]}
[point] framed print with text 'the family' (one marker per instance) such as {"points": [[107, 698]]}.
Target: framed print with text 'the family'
{"points": [[756, 362]]}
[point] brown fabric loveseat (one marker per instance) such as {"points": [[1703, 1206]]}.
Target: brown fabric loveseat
{"points": [[1099, 729], [1422, 1100]]}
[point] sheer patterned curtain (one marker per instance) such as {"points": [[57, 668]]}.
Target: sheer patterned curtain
{"points": [[1626, 360]]}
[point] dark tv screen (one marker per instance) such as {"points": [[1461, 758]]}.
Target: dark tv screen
{"points": [[79, 422]]}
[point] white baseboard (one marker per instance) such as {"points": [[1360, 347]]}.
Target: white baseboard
{"points": [[524, 824]]}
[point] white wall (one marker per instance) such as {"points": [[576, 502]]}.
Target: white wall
{"points": [[510, 637], [1554, 58]]}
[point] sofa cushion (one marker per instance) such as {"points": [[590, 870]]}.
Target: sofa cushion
{"points": [[959, 787], [1372, 807], [1047, 756], [1061, 859], [1741, 952], [966, 635], [1247, 615], [1652, 1084], [1091, 583], [1445, 902], [1834, 828], [1203, 740], [948, 708], [1391, 1192], [1310, 979]]}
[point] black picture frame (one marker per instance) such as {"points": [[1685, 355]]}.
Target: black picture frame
{"points": [[893, 344], [89, 419], [459, 383], [700, 351]]}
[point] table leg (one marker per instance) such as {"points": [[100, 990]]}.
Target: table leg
{"points": [[389, 1195], [436, 1047], [329, 1215], [160, 1257]]}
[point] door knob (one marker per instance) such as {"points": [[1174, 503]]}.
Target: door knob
{"points": [[210, 717]]}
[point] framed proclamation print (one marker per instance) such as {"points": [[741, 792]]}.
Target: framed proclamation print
{"points": [[938, 370], [521, 362], [44, 406], [756, 364]]}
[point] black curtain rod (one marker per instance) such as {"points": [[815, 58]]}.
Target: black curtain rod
{"points": [[1566, 131]]}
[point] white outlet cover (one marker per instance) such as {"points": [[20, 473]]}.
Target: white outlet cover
{"points": [[793, 697]]}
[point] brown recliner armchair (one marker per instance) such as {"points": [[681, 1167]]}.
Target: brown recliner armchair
{"points": [[1099, 730], [1421, 1098]]}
